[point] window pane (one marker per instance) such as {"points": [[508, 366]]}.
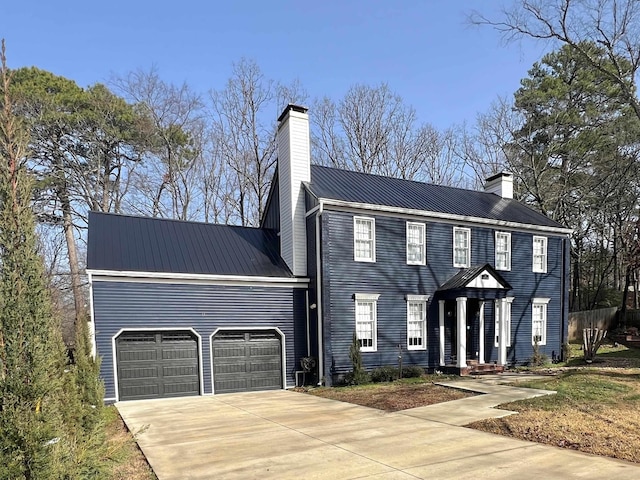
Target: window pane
{"points": [[415, 243], [365, 323], [416, 323], [461, 247], [363, 234]]}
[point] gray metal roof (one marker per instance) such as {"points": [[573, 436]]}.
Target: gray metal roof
{"points": [[464, 276], [142, 244], [355, 187]]}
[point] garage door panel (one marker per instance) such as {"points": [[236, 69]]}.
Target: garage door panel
{"points": [[138, 355], [257, 366], [157, 364], [138, 373], [229, 351], [139, 392], [246, 361]]}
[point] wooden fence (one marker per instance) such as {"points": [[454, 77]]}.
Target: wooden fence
{"points": [[632, 318], [603, 318]]}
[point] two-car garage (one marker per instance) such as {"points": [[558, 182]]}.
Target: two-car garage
{"points": [[162, 364], [186, 308]]}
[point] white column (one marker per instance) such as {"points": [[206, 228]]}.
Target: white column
{"points": [[481, 333], [441, 331], [461, 315], [502, 331]]}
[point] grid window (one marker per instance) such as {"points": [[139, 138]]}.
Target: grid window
{"points": [[540, 254], [366, 318], [539, 321], [461, 247], [507, 307], [416, 324], [364, 238], [416, 245], [503, 251]]}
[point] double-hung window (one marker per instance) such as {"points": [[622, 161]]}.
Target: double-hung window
{"points": [[417, 322], [539, 321], [540, 254], [416, 244], [366, 320], [507, 318], [364, 239], [461, 247], [503, 251]]}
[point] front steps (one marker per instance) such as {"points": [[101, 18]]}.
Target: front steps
{"points": [[473, 368]]}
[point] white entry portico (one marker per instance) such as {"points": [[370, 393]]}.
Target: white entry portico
{"points": [[461, 316]]}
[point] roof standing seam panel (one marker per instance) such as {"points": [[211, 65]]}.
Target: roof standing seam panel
{"points": [[118, 242], [355, 187]]}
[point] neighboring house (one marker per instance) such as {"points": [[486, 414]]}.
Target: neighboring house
{"points": [[445, 277]]}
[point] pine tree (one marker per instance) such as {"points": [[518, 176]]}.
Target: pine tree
{"points": [[33, 438]]}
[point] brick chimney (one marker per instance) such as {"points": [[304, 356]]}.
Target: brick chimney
{"points": [[294, 167], [501, 184]]}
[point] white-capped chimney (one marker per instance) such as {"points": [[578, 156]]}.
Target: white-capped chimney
{"points": [[294, 167], [501, 184]]}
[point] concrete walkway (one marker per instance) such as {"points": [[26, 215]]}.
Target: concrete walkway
{"points": [[282, 434], [495, 390]]}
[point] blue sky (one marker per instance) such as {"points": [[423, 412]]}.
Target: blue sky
{"points": [[447, 70]]}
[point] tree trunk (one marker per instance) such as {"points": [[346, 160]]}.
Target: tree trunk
{"points": [[74, 268], [622, 318]]}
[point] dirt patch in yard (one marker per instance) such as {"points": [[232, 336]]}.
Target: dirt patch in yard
{"points": [[391, 397], [595, 411], [125, 459]]}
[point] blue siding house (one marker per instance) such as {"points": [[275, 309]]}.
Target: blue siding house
{"points": [[448, 278]]}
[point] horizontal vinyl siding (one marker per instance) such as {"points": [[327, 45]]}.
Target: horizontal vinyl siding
{"points": [[204, 308], [392, 278]]}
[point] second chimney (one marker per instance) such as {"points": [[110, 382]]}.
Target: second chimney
{"points": [[501, 184]]}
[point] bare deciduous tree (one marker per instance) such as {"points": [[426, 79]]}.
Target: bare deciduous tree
{"points": [[171, 175], [613, 25], [243, 130], [371, 130]]}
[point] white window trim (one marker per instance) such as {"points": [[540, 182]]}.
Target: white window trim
{"points": [[368, 297], [540, 302], [508, 235], [468, 260], [544, 254], [372, 259], [497, 325], [423, 226], [422, 299]]}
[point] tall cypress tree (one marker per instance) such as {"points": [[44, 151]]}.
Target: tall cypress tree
{"points": [[33, 442]]}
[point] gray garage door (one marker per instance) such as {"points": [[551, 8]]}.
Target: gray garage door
{"points": [[157, 365], [246, 361]]}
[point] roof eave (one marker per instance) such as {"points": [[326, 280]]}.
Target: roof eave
{"points": [[444, 216], [196, 276]]}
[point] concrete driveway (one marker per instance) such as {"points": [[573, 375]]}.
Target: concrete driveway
{"points": [[283, 434]]}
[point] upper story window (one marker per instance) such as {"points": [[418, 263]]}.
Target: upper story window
{"points": [[366, 321], [364, 239], [540, 254], [417, 322], [461, 247], [539, 321], [416, 244], [503, 251]]}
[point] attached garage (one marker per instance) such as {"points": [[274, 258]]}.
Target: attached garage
{"points": [[157, 364], [185, 308], [245, 361]]}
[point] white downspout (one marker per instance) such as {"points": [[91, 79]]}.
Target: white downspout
{"points": [[92, 324], [306, 295], [319, 297]]}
